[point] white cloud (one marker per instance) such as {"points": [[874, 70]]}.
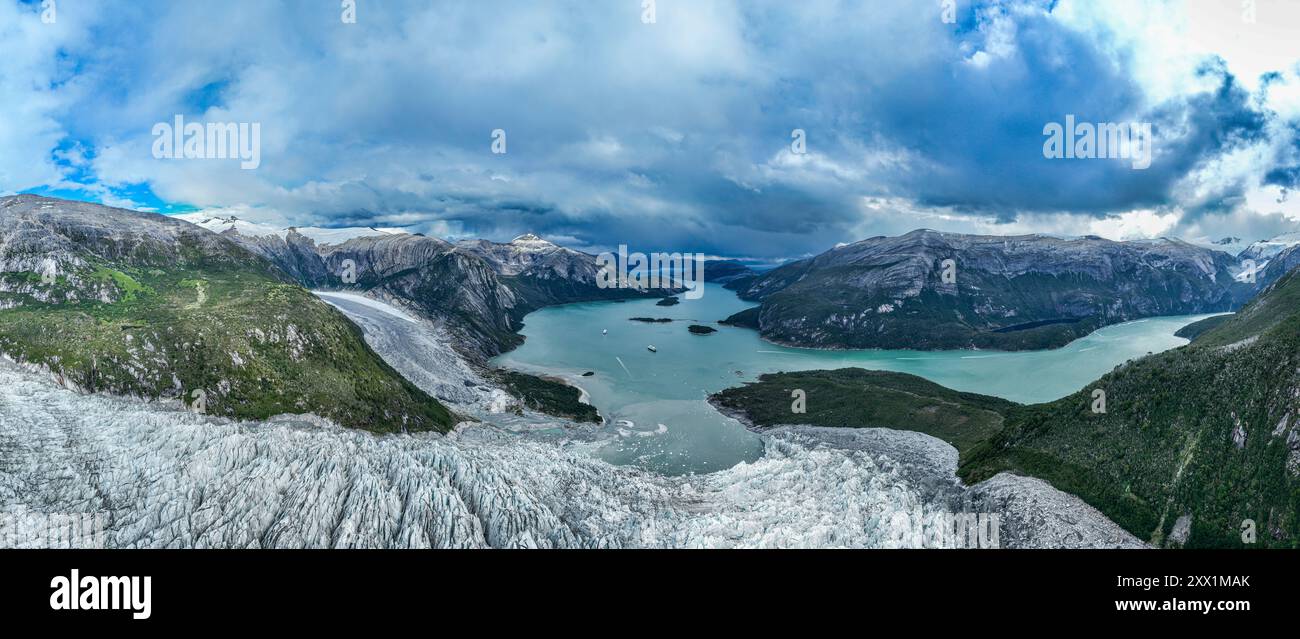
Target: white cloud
{"points": [[34, 101]]}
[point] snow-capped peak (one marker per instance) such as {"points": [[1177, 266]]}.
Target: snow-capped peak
{"points": [[330, 237], [1267, 249], [221, 223], [218, 223], [532, 243]]}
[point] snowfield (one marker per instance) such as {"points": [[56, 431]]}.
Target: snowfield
{"points": [[220, 221], [167, 478]]}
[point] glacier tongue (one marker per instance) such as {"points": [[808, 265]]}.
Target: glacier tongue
{"points": [[421, 351]]}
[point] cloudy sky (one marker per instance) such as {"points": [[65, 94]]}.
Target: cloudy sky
{"points": [[673, 134]]}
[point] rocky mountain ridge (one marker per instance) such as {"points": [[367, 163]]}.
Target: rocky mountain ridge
{"points": [[930, 290]]}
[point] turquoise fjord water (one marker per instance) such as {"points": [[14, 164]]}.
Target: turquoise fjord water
{"points": [[655, 401]]}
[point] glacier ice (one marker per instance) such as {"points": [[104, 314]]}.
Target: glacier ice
{"points": [[421, 352], [168, 478]]}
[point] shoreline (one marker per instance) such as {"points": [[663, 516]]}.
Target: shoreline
{"points": [[839, 349]]}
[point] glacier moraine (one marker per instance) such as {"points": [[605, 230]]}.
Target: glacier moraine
{"points": [[166, 478]]}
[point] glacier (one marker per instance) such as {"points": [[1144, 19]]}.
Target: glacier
{"points": [[167, 478]]}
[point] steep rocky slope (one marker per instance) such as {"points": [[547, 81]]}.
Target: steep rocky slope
{"points": [[1009, 293], [426, 275], [1271, 268], [542, 273], [435, 280]]}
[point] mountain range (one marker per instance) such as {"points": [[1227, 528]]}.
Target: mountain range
{"points": [[1273, 258], [145, 305], [928, 290], [480, 290]]}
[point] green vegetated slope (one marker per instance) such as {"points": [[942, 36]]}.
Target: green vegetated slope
{"points": [[1196, 329], [152, 307], [547, 395], [747, 318], [930, 321], [857, 398], [1206, 433]]}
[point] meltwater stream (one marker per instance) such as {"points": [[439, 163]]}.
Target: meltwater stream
{"points": [[655, 401]]}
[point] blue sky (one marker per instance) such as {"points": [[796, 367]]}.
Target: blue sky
{"points": [[667, 136]]}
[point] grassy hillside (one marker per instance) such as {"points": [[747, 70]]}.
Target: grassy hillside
{"points": [[547, 395], [1196, 329]]}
